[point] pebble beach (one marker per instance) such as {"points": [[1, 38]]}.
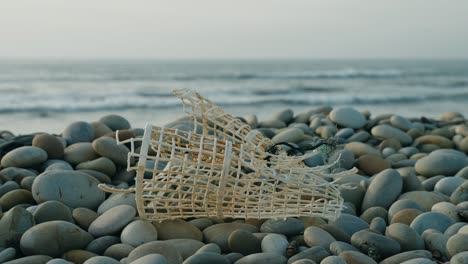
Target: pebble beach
{"points": [[408, 204]]}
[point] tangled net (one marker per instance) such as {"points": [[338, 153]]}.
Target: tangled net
{"points": [[222, 169]]}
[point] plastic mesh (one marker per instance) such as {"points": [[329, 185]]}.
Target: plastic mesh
{"points": [[222, 169]]}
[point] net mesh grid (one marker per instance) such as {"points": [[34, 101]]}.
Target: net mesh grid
{"points": [[222, 169]]}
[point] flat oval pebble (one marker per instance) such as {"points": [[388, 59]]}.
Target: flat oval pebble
{"points": [[441, 162], [178, 228], [424, 199], [101, 244], [373, 212], [418, 261], [186, 246], [101, 164], [112, 221], [317, 254], [316, 236], [291, 135], [353, 257], [13, 224], [74, 189], [108, 147], [359, 149], [460, 258], [84, 217], [383, 190], [115, 122], [54, 238], [401, 122], [407, 237], [101, 260], [434, 140], [7, 254], [262, 258], [159, 247], [36, 259], [213, 248], [460, 194], [350, 224], [56, 165], [51, 211], [78, 255], [457, 243], [408, 255], [347, 117], [368, 241], [151, 259], [24, 157], [78, 132], [206, 257], [431, 220], [219, 233], [275, 243], [338, 247], [327, 260], [51, 144], [372, 164], [115, 200], [288, 227], [447, 209], [138, 233], [378, 224], [80, 152], [118, 251], [201, 223], [386, 131], [15, 197], [244, 242]]}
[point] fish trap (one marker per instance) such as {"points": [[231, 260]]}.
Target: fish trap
{"points": [[221, 168]]}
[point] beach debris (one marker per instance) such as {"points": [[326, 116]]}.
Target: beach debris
{"points": [[222, 169]]}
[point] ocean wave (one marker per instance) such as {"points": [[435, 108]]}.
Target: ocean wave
{"points": [[140, 101]]}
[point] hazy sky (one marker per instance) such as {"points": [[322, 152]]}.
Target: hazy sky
{"points": [[234, 29]]}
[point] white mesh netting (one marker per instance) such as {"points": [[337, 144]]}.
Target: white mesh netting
{"points": [[222, 169]]}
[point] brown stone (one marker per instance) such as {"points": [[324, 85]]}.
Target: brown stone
{"points": [[405, 216], [51, 144], [371, 164]]}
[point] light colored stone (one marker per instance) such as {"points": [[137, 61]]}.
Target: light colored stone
{"points": [[441, 162], [383, 190], [431, 220], [54, 238], [151, 259], [359, 149], [159, 247], [401, 122], [316, 236], [101, 164], [112, 221], [178, 228], [440, 141], [115, 122], [457, 243], [78, 132], [408, 238], [108, 147], [347, 117], [24, 157], [101, 260], [138, 233], [74, 189], [80, 152], [372, 164], [275, 243], [386, 132], [424, 199], [291, 135]]}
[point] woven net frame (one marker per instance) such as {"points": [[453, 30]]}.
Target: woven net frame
{"points": [[222, 169]]}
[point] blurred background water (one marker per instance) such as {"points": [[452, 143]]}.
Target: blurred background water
{"points": [[45, 95]]}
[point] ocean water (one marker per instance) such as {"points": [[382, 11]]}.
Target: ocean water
{"points": [[45, 95]]}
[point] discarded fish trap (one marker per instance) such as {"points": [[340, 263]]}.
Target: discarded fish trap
{"points": [[221, 169]]}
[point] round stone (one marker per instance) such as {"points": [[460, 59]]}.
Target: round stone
{"points": [[201, 223], [13, 224], [74, 189], [244, 242], [118, 251], [383, 190], [138, 233], [7, 254], [108, 147], [460, 194], [51, 144], [457, 243], [117, 199], [291, 135], [24, 157], [460, 258], [353, 257], [102, 164], [78, 255], [15, 197], [448, 209], [316, 254], [112, 221], [350, 224], [440, 141], [424, 199], [84, 217], [405, 216], [80, 152], [401, 122], [78, 132], [206, 257], [275, 243], [151, 259], [327, 260], [262, 258], [405, 236], [378, 224], [431, 220], [400, 205], [219, 233], [56, 165], [8, 187], [53, 238], [115, 122], [101, 260], [287, 227], [338, 247], [186, 246], [316, 236], [32, 259], [374, 244], [178, 228], [52, 210], [386, 132], [374, 212], [359, 149], [372, 164], [441, 162], [101, 244], [157, 247], [347, 117], [100, 129], [408, 255]]}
